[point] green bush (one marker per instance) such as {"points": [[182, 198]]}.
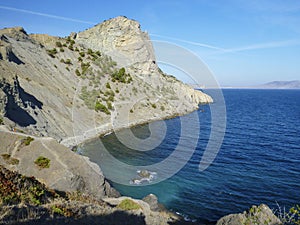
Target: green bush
{"points": [[128, 204], [77, 72], [84, 67], [57, 210], [121, 76], [108, 86], [71, 47], [90, 51], [102, 108], [42, 162], [1, 121], [58, 44], [82, 54], [52, 52], [68, 62], [9, 159], [109, 105], [28, 140], [153, 105]]}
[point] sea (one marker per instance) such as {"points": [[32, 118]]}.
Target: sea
{"points": [[258, 160]]}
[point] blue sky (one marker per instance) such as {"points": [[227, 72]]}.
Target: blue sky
{"points": [[242, 42]]}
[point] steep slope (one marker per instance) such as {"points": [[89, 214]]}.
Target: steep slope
{"points": [[89, 83], [53, 164], [24, 200]]}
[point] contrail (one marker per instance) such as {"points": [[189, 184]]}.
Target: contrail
{"points": [[46, 15], [190, 42], [275, 44], [221, 50]]}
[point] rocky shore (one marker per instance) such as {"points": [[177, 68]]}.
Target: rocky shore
{"points": [[71, 189]]}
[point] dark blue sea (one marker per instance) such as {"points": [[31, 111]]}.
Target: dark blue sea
{"points": [[258, 162]]}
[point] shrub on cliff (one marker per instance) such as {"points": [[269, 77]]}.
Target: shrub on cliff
{"points": [[52, 52], [122, 76], [27, 140], [58, 44], [16, 188], [102, 108], [42, 162], [128, 204]]}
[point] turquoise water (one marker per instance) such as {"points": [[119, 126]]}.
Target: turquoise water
{"points": [[259, 161]]}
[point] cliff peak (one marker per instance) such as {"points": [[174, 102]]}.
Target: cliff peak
{"points": [[123, 40]]}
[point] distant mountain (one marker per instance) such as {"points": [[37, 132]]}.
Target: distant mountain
{"points": [[295, 84]]}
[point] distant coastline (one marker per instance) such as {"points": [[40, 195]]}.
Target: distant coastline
{"points": [[284, 85]]}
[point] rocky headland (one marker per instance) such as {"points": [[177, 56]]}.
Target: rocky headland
{"points": [[89, 83]]}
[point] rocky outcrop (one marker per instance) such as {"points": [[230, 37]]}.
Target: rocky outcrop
{"points": [[81, 84], [123, 40], [257, 215], [67, 171], [24, 200]]}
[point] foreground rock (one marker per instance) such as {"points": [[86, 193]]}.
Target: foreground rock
{"points": [[257, 215], [66, 170], [24, 200]]}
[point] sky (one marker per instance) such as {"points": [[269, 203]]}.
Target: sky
{"points": [[242, 42]]}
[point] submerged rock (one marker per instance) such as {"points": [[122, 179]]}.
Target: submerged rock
{"points": [[144, 173], [143, 176]]}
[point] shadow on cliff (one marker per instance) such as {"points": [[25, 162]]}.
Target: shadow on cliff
{"points": [[115, 218], [15, 108]]}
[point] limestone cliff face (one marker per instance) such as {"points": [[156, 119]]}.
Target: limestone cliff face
{"points": [[89, 83], [124, 41]]}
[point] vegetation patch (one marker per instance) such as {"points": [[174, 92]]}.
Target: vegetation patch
{"points": [[16, 188], [58, 44], [122, 76], [52, 52], [42, 162], [1, 121], [153, 105], [10, 160], [102, 108], [128, 204], [27, 140]]}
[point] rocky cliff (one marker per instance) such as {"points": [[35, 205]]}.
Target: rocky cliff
{"points": [[53, 164], [259, 215], [88, 83]]}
